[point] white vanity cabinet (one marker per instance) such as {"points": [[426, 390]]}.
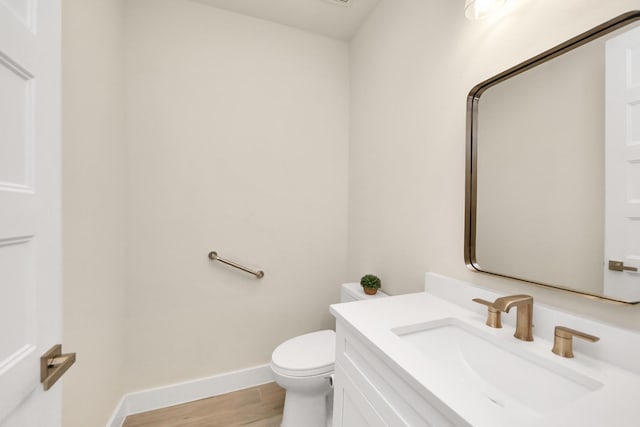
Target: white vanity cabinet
{"points": [[428, 359], [369, 392]]}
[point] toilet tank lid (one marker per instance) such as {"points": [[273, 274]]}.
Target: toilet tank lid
{"points": [[355, 291], [306, 355]]}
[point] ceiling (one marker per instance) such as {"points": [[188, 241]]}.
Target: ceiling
{"points": [[331, 18]]}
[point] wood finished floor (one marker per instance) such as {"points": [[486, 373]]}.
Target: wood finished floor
{"points": [[259, 406]]}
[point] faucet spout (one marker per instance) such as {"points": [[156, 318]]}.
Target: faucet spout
{"points": [[506, 303], [524, 319]]}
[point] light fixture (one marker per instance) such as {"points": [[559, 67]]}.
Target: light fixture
{"points": [[478, 9]]}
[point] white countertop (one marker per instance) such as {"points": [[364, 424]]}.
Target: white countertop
{"points": [[613, 404]]}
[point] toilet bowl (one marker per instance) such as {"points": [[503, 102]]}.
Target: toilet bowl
{"points": [[304, 367]]}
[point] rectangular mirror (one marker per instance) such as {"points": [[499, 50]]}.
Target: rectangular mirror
{"points": [[553, 167]]}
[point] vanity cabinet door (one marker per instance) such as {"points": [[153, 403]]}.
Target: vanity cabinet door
{"points": [[369, 392], [351, 407]]}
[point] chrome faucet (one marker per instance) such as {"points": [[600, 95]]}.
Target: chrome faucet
{"points": [[524, 319]]}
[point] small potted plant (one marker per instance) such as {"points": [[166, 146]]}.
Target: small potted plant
{"points": [[370, 284]]}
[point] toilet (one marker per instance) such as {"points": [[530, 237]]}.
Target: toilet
{"points": [[304, 367]]}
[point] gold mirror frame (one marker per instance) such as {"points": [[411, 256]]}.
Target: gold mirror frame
{"points": [[472, 141]]}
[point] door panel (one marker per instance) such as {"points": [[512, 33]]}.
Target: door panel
{"points": [[30, 246], [16, 127], [622, 164], [22, 9], [17, 306]]}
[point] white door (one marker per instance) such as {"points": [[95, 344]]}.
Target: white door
{"points": [[622, 165], [30, 223]]}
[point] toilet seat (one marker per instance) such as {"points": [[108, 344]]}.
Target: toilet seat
{"points": [[306, 355]]}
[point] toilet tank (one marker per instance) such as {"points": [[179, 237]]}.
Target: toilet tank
{"points": [[354, 292]]}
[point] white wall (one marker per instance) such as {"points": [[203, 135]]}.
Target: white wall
{"points": [[237, 131], [412, 66], [93, 207]]}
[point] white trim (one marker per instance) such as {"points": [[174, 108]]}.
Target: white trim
{"points": [[175, 394], [119, 415]]}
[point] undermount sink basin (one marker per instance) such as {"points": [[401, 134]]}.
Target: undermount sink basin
{"points": [[504, 371]]}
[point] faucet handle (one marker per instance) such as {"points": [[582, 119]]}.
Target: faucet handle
{"points": [[563, 340], [494, 319]]}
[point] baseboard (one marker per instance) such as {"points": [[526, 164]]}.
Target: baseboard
{"points": [[175, 394], [119, 415]]}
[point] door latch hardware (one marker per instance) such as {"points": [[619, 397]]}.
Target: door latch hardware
{"points": [[619, 266], [53, 365]]}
